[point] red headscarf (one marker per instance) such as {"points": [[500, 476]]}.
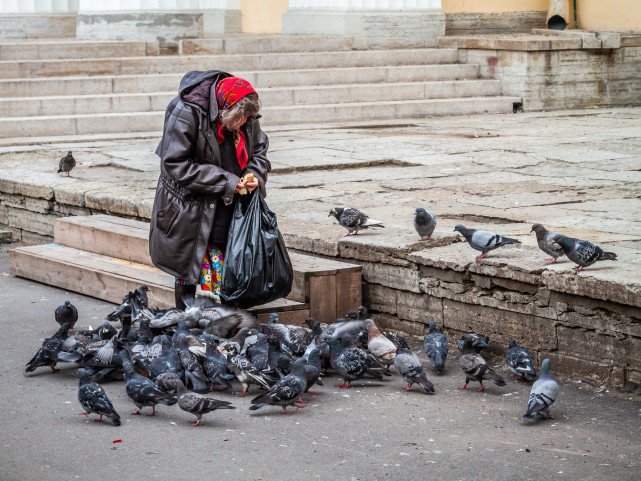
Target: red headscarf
{"points": [[229, 91]]}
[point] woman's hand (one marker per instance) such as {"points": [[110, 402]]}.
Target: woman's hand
{"points": [[240, 185], [251, 185]]}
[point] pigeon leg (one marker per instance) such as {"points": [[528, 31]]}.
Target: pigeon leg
{"points": [[84, 413], [482, 388], [99, 420], [348, 234], [153, 412], [195, 422], [312, 392], [136, 412], [300, 400], [578, 269], [551, 260], [343, 386], [243, 393], [482, 256], [464, 386], [407, 388], [298, 406], [422, 238], [54, 370], [285, 411]]}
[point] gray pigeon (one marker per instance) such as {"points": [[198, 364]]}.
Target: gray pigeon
{"points": [[478, 342], [519, 360], [424, 223], [353, 219], [286, 391], [67, 163], [93, 398], [543, 394], [475, 367], [545, 240], [409, 366], [582, 252], [482, 240], [436, 347], [197, 404], [66, 314]]}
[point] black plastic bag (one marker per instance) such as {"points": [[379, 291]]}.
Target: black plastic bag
{"points": [[257, 268]]}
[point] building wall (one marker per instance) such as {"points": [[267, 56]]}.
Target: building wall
{"points": [[615, 15], [489, 6], [263, 16]]}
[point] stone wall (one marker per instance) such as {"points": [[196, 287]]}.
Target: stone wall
{"points": [[572, 71], [496, 22]]}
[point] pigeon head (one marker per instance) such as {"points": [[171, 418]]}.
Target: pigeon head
{"points": [[468, 343], [273, 318], [545, 367], [511, 343], [107, 331], [351, 315], [460, 228], [432, 326], [420, 212], [564, 242], [537, 228], [362, 312], [143, 289], [336, 212]]}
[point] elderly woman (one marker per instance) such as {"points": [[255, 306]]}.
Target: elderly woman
{"points": [[211, 140]]}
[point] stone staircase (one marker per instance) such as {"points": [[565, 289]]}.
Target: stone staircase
{"points": [[70, 88], [105, 257]]}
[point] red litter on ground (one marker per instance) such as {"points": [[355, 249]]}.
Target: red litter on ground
{"points": [[117, 441]]}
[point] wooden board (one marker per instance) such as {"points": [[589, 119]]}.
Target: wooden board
{"points": [[105, 235], [349, 291], [109, 278], [322, 306]]}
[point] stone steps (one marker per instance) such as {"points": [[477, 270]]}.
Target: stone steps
{"points": [[150, 121], [116, 251], [151, 65], [61, 49], [100, 85], [283, 96], [244, 43]]}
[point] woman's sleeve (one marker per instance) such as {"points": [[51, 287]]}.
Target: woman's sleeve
{"points": [[179, 163], [258, 163]]}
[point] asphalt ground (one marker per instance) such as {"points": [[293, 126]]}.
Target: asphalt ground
{"points": [[372, 431]]}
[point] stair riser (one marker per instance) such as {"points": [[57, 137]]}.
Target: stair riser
{"points": [[263, 79], [210, 46], [279, 97], [76, 50], [229, 63]]}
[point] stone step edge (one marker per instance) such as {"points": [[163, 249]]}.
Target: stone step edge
{"points": [[264, 89], [268, 109], [240, 73]]}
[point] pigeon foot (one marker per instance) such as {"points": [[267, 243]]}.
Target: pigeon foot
{"points": [[482, 256], [136, 412], [298, 406], [54, 371], [578, 269], [407, 388], [343, 386], [285, 411], [312, 392], [463, 387], [83, 414], [300, 400], [551, 260], [99, 420], [242, 393], [551, 417], [482, 388], [196, 422]]}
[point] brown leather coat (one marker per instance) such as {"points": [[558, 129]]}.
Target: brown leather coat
{"points": [[192, 180]]}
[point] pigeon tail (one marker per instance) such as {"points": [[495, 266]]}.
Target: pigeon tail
{"points": [[254, 407], [498, 382], [113, 419], [438, 361]]}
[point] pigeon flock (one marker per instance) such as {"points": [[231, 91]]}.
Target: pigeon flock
{"points": [[583, 253], [180, 356]]}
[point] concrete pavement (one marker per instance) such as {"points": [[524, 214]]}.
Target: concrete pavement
{"points": [[373, 431]]}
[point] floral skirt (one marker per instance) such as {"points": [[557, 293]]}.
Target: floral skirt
{"points": [[210, 272]]}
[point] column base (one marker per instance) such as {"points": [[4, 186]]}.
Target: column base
{"points": [[369, 28], [168, 28]]}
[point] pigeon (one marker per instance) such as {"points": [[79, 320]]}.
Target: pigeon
{"points": [[424, 223], [482, 240], [167, 382], [312, 370], [545, 240], [191, 352], [383, 350], [582, 252], [352, 363], [409, 366], [475, 367], [294, 338], [519, 360], [478, 342], [353, 219], [67, 163], [286, 391], [50, 352], [67, 314], [93, 398], [543, 394], [141, 390], [246, 373], [278, 360], [436, 347], [215, 367], [198, 404]]}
